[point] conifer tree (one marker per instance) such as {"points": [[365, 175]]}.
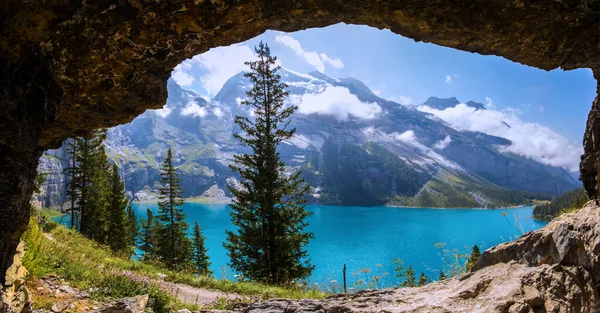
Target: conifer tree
{"points": [[174, 248], [117, 203], [409, 278], [147, 236], [200, 257], [268, 210], [73, 185], [442, 275], [92, 169], [423, 280], [132, 226], [475, 254]]}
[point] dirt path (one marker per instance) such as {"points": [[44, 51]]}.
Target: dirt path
{"points": [[186, 293], [189, 294]]}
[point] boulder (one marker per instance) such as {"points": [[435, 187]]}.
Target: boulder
{"points": [[571, 239], [135, 304]]}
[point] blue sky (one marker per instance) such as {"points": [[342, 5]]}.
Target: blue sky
{"points": [[409, 72]]}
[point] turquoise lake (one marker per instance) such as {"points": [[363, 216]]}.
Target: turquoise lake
{"points": [[371, 237]]}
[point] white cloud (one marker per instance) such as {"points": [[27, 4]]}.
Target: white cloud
{"points": [[442, 144], [311, 57], [489, 104], [541, 108], [218, 112], [404, 100], [181, 77], [377, 92], [336, 101], [531, 140], [406, 137], [448, 79], [164, 112], [192, 108], [220, 64], [336, 63]]}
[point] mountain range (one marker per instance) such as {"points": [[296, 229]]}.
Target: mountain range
{"points": [[353, 147]]}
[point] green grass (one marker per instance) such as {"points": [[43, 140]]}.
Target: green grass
{"points": [[50, 213], [86, 264]]}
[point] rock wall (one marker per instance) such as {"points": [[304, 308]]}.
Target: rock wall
{"points": [[67, 66], [14, 298]]}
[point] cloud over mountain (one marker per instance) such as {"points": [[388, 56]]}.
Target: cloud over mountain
{"points": [[531, 140], [335, 101]]}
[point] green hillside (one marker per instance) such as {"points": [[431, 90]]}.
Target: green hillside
{"points": [[567, 202]]}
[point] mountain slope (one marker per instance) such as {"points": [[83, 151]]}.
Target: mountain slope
{"points": [[353, 147]]}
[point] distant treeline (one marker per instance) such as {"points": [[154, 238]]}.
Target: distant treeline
{"points": [[569, 201]]}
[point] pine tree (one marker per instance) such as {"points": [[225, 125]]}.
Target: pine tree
{"points": [[92, 169], [268, 210], [442, 275], [423, 280], [147, 236], [73, 185], [200, 257], [132, 226], [475, 254], [409, 278], [173, 246], [117, 203]]}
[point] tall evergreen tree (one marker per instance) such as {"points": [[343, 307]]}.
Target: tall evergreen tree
{"points": [[73, 184], [475, 254], [117, 203], [92, 169], [173, 246], [268, 210], [147, 236], [200, 257], [409, 278], [132, 226]]}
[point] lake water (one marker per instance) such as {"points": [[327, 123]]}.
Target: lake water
{"points": [[367, 239]]}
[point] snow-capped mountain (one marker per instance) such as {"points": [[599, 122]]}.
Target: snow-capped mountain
{"points": [[353, 147]]}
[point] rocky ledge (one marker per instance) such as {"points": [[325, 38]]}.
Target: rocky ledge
{"points": [[554, 269]]}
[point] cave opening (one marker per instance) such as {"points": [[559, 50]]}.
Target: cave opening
{"points": [[447, 114]]}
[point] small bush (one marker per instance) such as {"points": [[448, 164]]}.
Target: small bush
{"points": [[117, 286]]}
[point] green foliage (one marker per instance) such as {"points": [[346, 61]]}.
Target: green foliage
{"points": [[173, 247], [117, 239], [569, 201], [199, 256], [475, 254], [423, 280], [442, 275], [132, 227], [146, 240], [268, 210], [367, 175], [409, 278], [117, 286], [88, 185]]}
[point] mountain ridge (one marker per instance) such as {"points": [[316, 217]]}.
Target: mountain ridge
{"points": [[200, 132]]}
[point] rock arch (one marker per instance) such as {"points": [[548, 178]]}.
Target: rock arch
{"points": [[69, 66]]}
